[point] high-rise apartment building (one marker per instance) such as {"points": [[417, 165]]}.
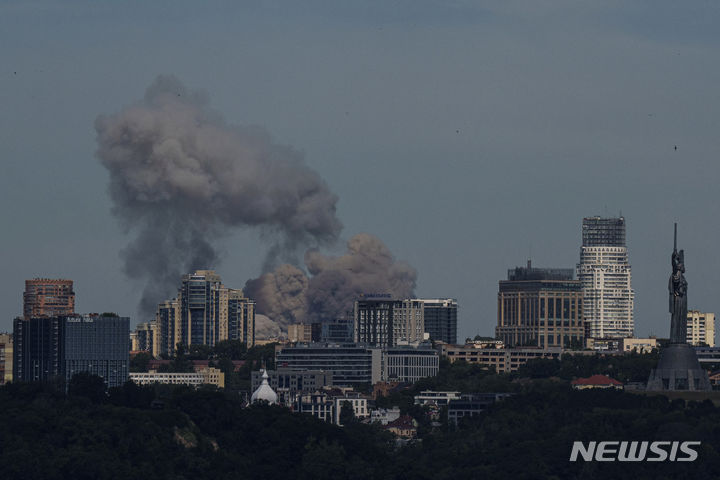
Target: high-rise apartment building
{"points": [[540, 307], [48, 297], [440, 316], [700, 328], [145, 338], [385, 322], [204, 313], [605, 275]]}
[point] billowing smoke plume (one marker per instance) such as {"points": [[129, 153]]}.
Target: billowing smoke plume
{"points": [[180, 177], [287, 295]]}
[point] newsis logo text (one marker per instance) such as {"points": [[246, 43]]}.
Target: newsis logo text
{"points": [[623, 451]]}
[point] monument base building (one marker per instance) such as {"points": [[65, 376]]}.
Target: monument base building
{"points": [[678, 369]]}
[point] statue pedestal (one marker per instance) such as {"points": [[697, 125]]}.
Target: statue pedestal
{"points": [[677, 370]]}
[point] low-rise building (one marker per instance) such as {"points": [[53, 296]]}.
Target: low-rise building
{"points": [[639, 345], [503, 360], [470, 404], [293, 380], [708, 355], [430, 397], [383, 416], [206, 376], [356, 400], [404, 427], [596, 381]]}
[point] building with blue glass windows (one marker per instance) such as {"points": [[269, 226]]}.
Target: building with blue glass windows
{"points": [[97, 344], [56, 348]]}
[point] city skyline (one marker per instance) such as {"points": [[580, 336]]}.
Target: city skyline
{"points": [[468, 139]]}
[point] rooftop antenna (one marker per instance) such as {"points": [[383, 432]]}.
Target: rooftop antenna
{"points": [[675, 239]]}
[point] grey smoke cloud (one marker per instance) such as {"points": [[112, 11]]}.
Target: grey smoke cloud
{"points": [[180, 177], [286, 295]]}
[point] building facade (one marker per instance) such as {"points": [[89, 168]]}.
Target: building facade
{"points": [[409, 363], [385, 322], [204, 313], [145, 338], [503, 360], [440, 318], [48, 297], [700, 328], [605, 274], [96, 344], [6, 358], [540, 307], [55, 348], [350, 364], [36, 349], [284, 379], [205, 376]]}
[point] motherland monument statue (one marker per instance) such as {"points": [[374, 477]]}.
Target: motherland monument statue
{"points": [[678, 368]]}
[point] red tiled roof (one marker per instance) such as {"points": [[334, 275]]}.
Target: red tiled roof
{"points": [[405, 422], [596, 380]]}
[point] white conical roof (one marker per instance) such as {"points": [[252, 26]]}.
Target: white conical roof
{"points": [[264, 392]]}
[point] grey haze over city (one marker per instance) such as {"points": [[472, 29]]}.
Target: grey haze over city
{"points": [[449, 140]]}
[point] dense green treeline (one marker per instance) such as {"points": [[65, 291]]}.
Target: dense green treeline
{"points": [[207, 434]]}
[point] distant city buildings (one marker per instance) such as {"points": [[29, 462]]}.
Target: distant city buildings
{"points": [[55, 348], [48, 297], [605, 274], [540, 307], [203, 313], [700, 328]]}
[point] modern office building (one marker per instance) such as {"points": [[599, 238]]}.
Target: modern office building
{"points": [[540, 307], [700, 328], [204, 313], [55, 348], [6, 358], [97, 344], [356, 364], [440, 317], [384, 322], [605, 274], [406, 363], [48, 297], [350, 364]]}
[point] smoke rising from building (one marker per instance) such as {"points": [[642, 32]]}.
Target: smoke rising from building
{"points": [[180, 177], [287, 295]]}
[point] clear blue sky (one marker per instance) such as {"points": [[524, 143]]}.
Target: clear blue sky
{"points": [[466, 135]]}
